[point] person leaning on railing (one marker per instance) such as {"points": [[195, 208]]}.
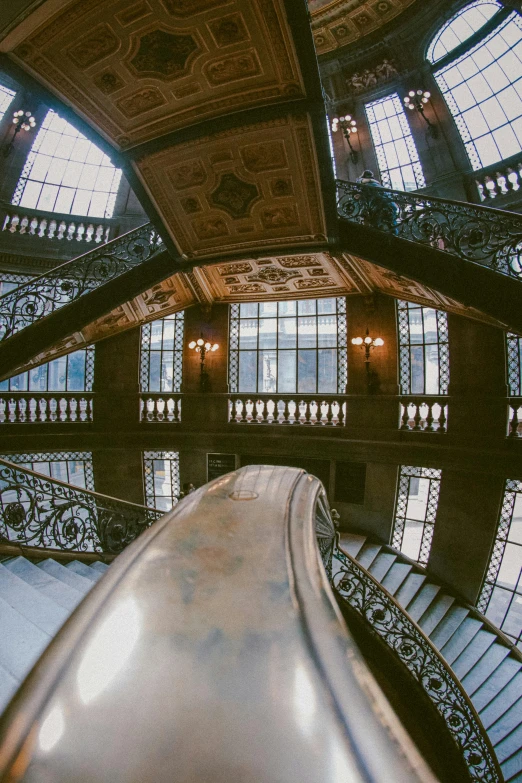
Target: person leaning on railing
{"points": [[379, 209]]}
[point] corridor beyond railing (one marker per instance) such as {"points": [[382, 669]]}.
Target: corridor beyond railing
{"points": [[312, 409], [481, 235]]}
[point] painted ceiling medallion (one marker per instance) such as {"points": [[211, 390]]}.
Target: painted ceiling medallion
{"points": [[234, 195], [164, 54]]}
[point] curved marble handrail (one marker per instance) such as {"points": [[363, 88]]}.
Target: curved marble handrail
{"points": [[364, 594], [212, 650]]}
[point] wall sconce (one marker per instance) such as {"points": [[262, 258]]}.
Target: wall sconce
{"points": [[416, 101], [348, 126], [22, 120], [368, 344], [203, 347]]}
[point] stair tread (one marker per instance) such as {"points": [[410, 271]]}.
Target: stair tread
{"points": [[471, 655], [382, 564], [484, 668], [99, 566], [396, 576], [502, 702], [511, 767], [62, 573], [8, 687], [509, 745], [77, 567], [45, 583], [36, 607], [21, 642], [351, 543], [449, 624], [504, 673], [367, 554], [507, 723], [409, 588], [423, 600], [436, 612], [460, 639]]}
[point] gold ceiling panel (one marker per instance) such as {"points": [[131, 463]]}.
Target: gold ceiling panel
{"points": [[336, 23], [138, 70], [252, 187]]}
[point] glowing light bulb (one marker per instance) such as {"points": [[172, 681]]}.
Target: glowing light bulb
{"points": [[411, 93], [357, 340], [368, 340], [207, 346], [192, 344], [215, 347], [200, 341], [378, 341]]}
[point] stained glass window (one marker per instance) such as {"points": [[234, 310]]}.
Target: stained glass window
{"points": [[501, 595], [423, 349], [483, 90], [161, 471], [67, 173], [395, 148], [73, 467], [416, 511], [462, 26], [288, 347], [6, 98], [161, 362]]}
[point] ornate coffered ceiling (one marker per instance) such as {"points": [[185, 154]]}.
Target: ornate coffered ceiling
{"points": [[337, 23]]}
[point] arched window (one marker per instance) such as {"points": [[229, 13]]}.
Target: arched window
{"points": [[67, 173], [483, 85]]}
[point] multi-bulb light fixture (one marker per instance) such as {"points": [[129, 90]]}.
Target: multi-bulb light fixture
{"points": [[203, 347], [368, 343], [22, 120], [348, 126], [416, 100]]}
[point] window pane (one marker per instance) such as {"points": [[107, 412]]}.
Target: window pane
{"points": [[416, 511], [461, 27], [161, 356], [423, 349], [161, 472]]}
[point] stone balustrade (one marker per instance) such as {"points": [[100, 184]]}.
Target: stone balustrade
{"points": [[424, 414], [160, 408], [500, 180], [515, 417], [42, 225], [46, 407], [311, 409]]}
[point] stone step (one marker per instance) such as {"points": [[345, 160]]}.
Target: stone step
{"points": [[46, 584], [8, 687], [409, 588], [484, 668], [504, 674], [396, 576], [351, 543], [510, 745], [436, 612], [99, 566], [36, 607], [422, 601], [62, 573], [448, 626], [84, 570], [503, 701], [368, 554], [382, 564], [473, 653], [21, 642], [512, 768], [507, 723], [460, 639]]}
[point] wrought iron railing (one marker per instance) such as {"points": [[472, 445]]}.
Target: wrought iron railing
{"points": [[66, 283], [36, 510], [482, 235], [387, 620]]}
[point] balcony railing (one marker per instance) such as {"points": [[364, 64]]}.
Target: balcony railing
{"points": [[515, 417], [310, 409], [160, 408], [46, 407], [424, 414], [55, 226], [501, 181]]}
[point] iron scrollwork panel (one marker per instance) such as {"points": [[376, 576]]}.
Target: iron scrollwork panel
{"points": [[386, 620], [42, 512], [473, 233], [66, 283]]}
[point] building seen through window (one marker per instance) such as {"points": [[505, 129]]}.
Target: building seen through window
{"points": [[288, 347], [73, 372], [161, 472], [483, 86], [67, 173], [416, 511], [397, 155], [501, 596], [161, 357], [423, 349], [72, 467]]}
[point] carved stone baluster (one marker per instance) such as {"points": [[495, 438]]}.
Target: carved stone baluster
{"points": [[429, 417], [417, 418], [52, 229], [177, 412], [23, 224], [80, 232], [22, 404], [43, 409], [98, 237], [442, 418], [14, 224], [11, 407], [513, 424], [33, 225], [3, 410], [329, 414], [405, 418], [233, 411], [89, 232], [71, 231], [6, 222], [33, 409], [264, 412], [510, 185], [497, 179], [61, 229], [244, 417], [342, 414], [43, 228], [286, 413], [74, 409], [308, 412]]}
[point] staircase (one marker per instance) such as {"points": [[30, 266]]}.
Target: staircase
{"points": [[489, 670], [35, 601]]}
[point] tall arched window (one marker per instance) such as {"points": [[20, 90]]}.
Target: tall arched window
{"points": [[482, 85], [67, 173]]}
